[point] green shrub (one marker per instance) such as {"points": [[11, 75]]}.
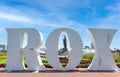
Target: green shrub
{"points": [[87, 56]]}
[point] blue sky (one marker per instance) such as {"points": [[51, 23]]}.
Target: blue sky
{"points": [[47, 15]]}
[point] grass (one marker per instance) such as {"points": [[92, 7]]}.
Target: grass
{"points": [[3, 59], [118, 63], [2, 53], [86, 57]]}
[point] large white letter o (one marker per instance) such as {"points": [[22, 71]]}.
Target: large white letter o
{"points": [[52, 49]]}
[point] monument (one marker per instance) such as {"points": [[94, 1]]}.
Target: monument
{"points": [[101, 39], [65, 44], [63, 51]]}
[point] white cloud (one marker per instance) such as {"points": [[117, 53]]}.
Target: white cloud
{"points": [[14, 17], [115, 8], [110, 22], [3, 36], [113, 18], [32, 16], [1, 30]]}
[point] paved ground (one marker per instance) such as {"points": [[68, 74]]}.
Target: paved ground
{"points": [[52, 73]]}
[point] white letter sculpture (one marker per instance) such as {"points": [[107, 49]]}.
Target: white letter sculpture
{"points": [[103, 60], [15, 50], [52, 49]]}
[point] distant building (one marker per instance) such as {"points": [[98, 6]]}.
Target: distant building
{"points": [[92, 47], [87, 47], [2, 47]]}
